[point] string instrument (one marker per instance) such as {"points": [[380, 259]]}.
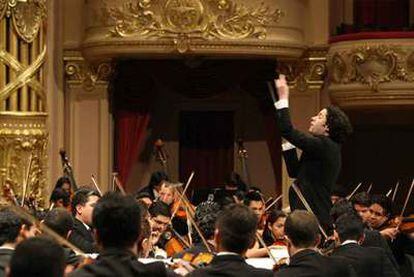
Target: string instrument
{"points": [[67, 169], [198, 260]]}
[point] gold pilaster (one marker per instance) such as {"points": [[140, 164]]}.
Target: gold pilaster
{"points": [[23, 133]]}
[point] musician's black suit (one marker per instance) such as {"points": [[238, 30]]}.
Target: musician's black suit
{"points": [[367, 261], [82, 238], [317, 170]]}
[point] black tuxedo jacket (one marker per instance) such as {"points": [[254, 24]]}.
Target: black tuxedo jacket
{"points": [[82, 237], [118, 262], [230, 266], [367, 261], [317, 170], [309, 263], [5, 256]]}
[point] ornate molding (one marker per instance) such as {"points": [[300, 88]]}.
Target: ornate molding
{"points": [[371, 65], [27, 16], [184, 21], [79, 72], [307, 72]]}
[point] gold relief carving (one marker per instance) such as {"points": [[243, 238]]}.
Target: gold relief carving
{"points": [[184, 20], [27, 16], [371, 65], [18, 142], [79, 72], [306, 73]]}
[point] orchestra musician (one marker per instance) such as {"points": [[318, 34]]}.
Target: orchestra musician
{"points": [[154, 186], [274, 233], [317, 170]]}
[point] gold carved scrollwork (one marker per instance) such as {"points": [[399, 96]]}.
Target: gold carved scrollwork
{"points": [[183, 20], [371, 65], [27, 16], [18, 142], [79, 72], [308, 72]]}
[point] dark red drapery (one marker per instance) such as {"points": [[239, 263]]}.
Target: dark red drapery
{"points": [[130, 130]]}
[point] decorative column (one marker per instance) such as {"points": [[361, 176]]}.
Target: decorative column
{"points": [[23, 105]]}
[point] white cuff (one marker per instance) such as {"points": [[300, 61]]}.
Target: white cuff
{"points": [[287, 146], [282, 103]]}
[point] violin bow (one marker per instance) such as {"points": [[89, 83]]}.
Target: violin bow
{"points": [[263, 244], [370, 188], [394, 194], [308, 208], [407, 198], [274, 202], [118, 183], [95, 184], [354, 191], [26, 179]]}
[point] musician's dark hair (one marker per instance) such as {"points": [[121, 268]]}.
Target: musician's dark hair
{"points": [[234, 180], [205, 217], [157, 177], [338, 123], [159, 208], [301, 227], [252, 196], [37, 256], [62, 180], [237, 226], [59, 193], [384, 202], [362, 199], [117, 220], [341, 207], [10, 226], [349, 226], [81, 197], [60, 221]]}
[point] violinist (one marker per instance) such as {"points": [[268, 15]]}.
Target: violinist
{"points": [[60, 198], [64, 184], [117, 221], [367, 261], [83, 204], [235, 232], [303, 236], [154, 186], [274, 232], [160, 216]]}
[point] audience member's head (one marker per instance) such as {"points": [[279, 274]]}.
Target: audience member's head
{"points": [[117, 221], [349, 227], [301, 229], [380, 210], [361, 203], [83, 203], [36, 257], [60, 221], [236, 229]]}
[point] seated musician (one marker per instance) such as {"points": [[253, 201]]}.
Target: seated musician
{"points": [[60, 221], [235, 232], [64, 183], [274, 233], [145, 198], [367, 261], [160, 216], [37, 257], [117, 222], [154, 186], [60, 198], [303, 236], [83, 204]]}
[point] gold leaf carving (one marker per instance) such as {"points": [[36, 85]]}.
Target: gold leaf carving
{"points": [[370, 64], [184, 20], [3, 8]]}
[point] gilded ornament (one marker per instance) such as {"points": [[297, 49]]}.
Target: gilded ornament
{"points": [[184, 15]]}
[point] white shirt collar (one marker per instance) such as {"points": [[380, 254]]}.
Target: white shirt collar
{"points": [[349, 241], [156, 194], [86, 225]]}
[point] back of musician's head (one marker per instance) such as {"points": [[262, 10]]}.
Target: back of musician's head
{"points": [[61, 181], [205, 217], [301, 227], [117, 220], [341, 207], [81, 197], [236, 226], [156, 178], [361, 199], [252, 196], [10, 226], [338, 123], [159, 208], [384, 202], [36, 257], [60, 221], [349, 227]]}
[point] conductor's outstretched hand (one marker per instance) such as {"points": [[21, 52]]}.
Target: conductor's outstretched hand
{"points": [[282, 87]]}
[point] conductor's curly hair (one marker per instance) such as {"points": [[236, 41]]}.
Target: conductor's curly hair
{"points": [[338, 123]]}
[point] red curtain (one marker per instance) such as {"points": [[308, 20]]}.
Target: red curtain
{"points": [[131, 127]]}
